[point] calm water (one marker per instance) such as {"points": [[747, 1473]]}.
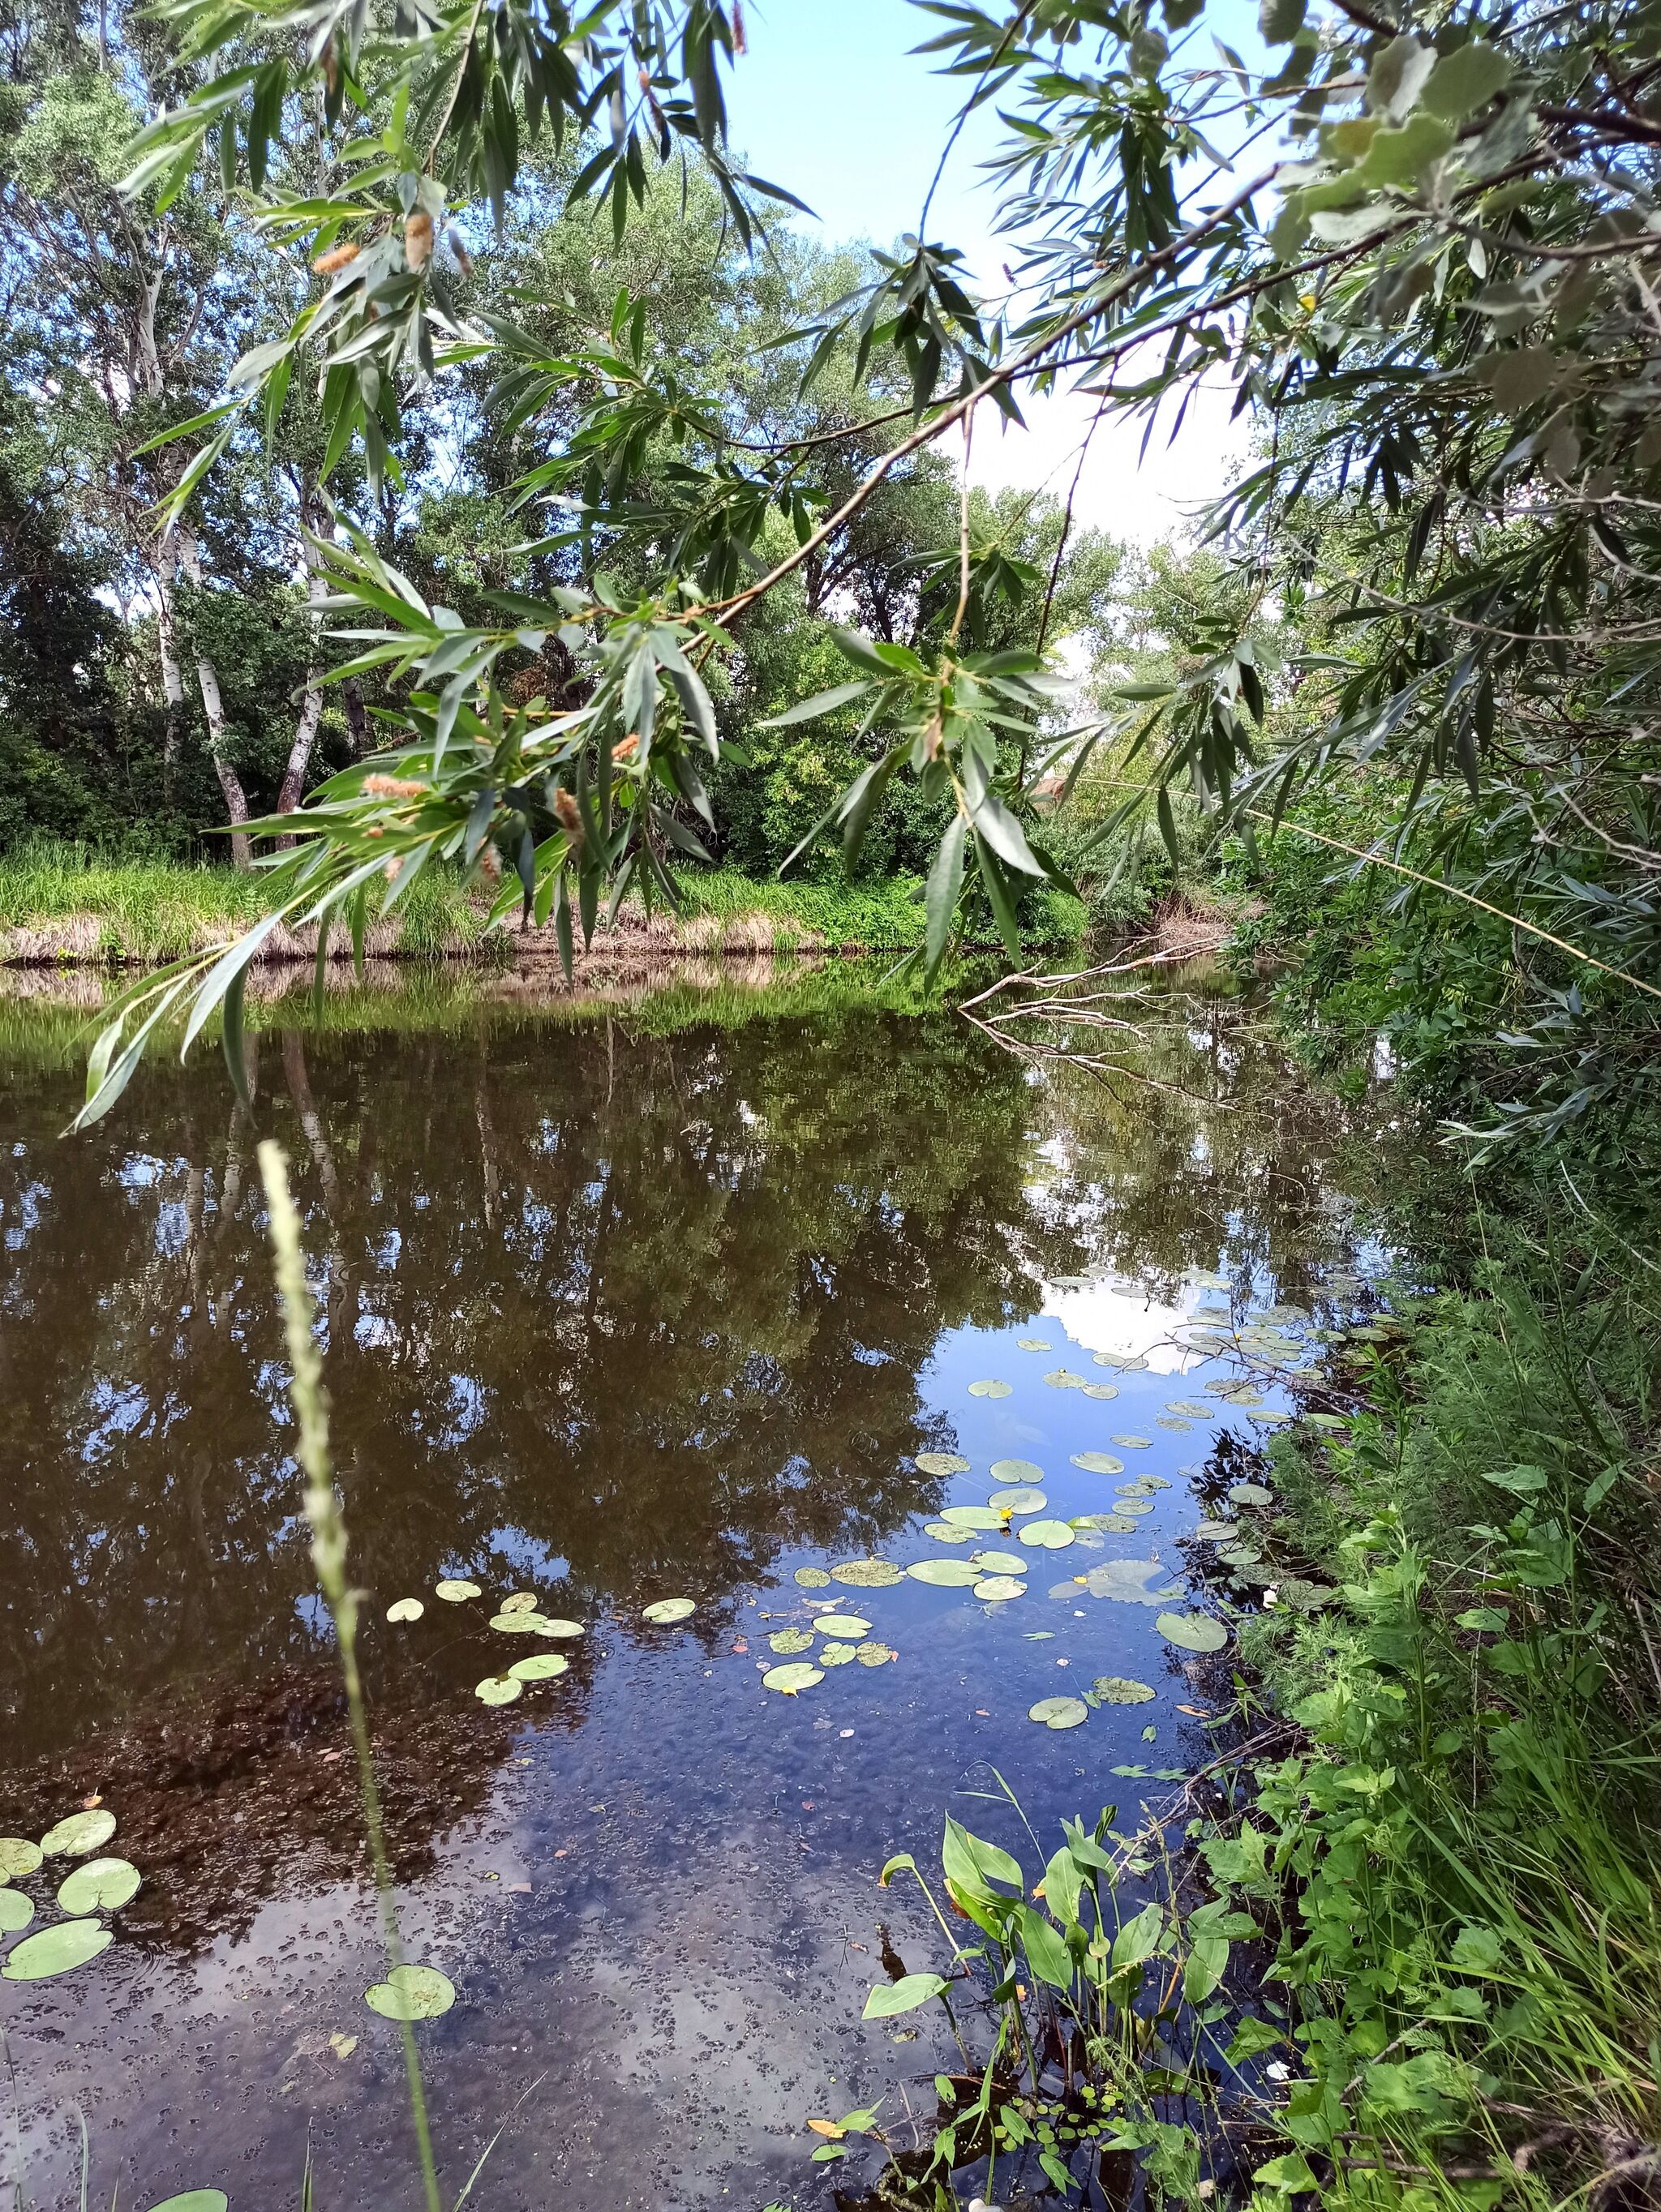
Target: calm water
{"points": [[617, 1309]]}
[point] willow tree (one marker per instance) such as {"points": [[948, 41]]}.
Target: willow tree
{"points": [[1421, 242]]}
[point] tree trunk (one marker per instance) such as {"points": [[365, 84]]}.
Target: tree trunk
{"points": [[213, 706], [293, 787], [173, 681]]}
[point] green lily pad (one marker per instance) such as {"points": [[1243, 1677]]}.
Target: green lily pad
{"points": [[983, 1517], [99, 1885], [811, 1577], [519, 1602], [196, 2200], [1125, 1581], [1063, 1378], [516, 1624], [83, 1833], [1282, 1314], [497, 1690], [540, 1666], [1111, 1524], [944, 1574], [1327, 1421], [1251, 1493], [18, 1856], [1121, 1690], [1131, 1507], [1189, 1410], [999, 1563], [867, 1574], [1031, 1344], [1215, 1532], [411, 1993], [405, 1608], [1238, 1555], [1047, 1535], [56, 1950], [1171, 1421], [997, 1589], [994, 1389], [1192, 1632], [1100, 1390], [933, 1462], [1059, 1713], [668, 1610], [1133, 1443], [1021, 1500], [837, 1655], [843, 1623], [456, 1593], [16, 1912], [791, 1680], [1270, 1414], [789, 1641], [1099, 1462], [948, 1532], [1306, 1596], [1016, 1470], [559, 1628], [875, 1653], [1123, 1363]]}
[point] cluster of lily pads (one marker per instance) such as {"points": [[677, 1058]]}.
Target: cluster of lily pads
{"points": [[98, 1885], [518, 1613]]}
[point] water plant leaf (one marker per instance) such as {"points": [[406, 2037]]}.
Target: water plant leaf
{"points": [[837, 1655], [405, 1608], [984, 1517], [516, 1624], [1059, 1713], [1171, 1421], [56, 1950], [1192, 1632], [1125, 1581], [99, 1885], [811, 1577], [667, 1610], [545, 1626], [1122, 1690], [519, 1602], [994, 1389], [843, 1623], [1133, 1443], [198, 2200], [997, 1589], [1111, 1524], [81, 1833], [792, 1679], [889, 1999], [1251, 1493], [1099, 1390], [944, 1574], [1047, 1535], [1306, 1596], [497, 1690], [1031, 1344], [1123, 1363], [1326, 1420], [1215, 1532], [1019, 1500], [411, 1993], [788, 1641], [947, 1532], [16, 1912], [933, 1462], [1016, 1470], [456, 1593], [1099, 1462], [540, 1666], [18, 1856], [1063, 1378], [1130, 1508], [867, 1574], [999, 1563], [875, 1654]]}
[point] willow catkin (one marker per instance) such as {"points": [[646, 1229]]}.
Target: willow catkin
{"points": [[327, 264], [418, 238]]}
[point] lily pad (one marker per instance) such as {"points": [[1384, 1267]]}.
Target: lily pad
{"points": [[867, 1574], [1059, 1713], [83, 1833], [837, 1655], [1121, 1690], [519, 1602], [1327, 1421], [992, 1390], [1131, 1507], [456, 1593], [1133, 1443], [99, 1885], [999, 1563], [875, 1653], [1124, 1363], [405, 1608], [497, 1690], [56, 1950], [1063, 1378], [540, 1666], [933, 1462], [973, 1516], [1111, 1524], [1125, 1581], [516, 1624], [1192, 1632], [948, 1532], [198, 2200], [997, 1589], [1307, 1596], [18, 1856], [1271, 1413], [1047, 1535], [811, 1577], [668, 1610], [1100, 1390], [1019, 1500], [411, 1993], [944, 1574], [1251, 1493], [1174, 1423], [559, 1628], [1031, 1344], [1215, 1532], [792, 1679], [1016, 1470], [842, 1623], [789, 1641], [16, 1912], [1099, 1462]]}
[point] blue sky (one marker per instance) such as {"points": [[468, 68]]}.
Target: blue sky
{"points": [[830, 102]]}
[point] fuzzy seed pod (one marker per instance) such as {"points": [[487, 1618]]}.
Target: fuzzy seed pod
{"points": [[418, 239], [464, 260], [570, 820], [342, 258], [739, 44], [393, 786], [627, 747]]}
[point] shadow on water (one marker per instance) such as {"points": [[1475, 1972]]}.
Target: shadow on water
{"points": [[655, 1303]]}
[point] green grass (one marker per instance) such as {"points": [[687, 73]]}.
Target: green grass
{"points": [[878, 917]]}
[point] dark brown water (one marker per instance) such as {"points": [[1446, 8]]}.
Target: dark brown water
{"points": [[616, 1309]]}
